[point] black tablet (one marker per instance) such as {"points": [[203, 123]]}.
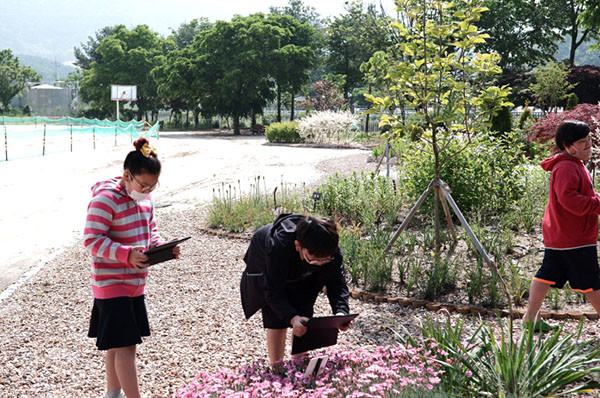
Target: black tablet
{"points": [[163, 252], [321, 332]]}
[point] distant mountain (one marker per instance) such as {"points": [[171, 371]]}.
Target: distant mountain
{"points": [[51, 29], [582, 56], [50, 70]]}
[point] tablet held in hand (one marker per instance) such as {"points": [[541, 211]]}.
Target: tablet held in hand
{"points": [[321, 332], [164, 252]]}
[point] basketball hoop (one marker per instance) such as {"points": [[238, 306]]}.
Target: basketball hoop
{"points": [[122, 93]]}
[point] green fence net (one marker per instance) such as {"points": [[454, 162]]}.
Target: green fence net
{"points": [[39, 136]]}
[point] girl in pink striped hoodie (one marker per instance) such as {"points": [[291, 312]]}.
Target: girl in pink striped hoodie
{"points": [[119, 227]]}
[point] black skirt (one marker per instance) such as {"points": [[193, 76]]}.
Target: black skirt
{"points": [[119, 322]]}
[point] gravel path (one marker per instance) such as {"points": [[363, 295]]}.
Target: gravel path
{"points": [[195, 315], [194, 310]]}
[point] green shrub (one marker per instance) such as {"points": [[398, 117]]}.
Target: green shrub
{"points": [[525, 116], [572, 101], [502, 121], [485, 177], [283, 132], [360, 199]]}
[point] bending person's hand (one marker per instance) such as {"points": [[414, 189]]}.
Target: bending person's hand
{"points": [[176, 251], [298, 325], [345, 326]]}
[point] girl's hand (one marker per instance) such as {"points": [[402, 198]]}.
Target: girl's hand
{"points": [[299, 325], [176, 251], [137, 257]]}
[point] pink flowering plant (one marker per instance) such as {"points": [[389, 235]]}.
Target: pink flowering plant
{"points": [[385, 372]]}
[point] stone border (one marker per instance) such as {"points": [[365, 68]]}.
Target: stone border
{"points": [[464, 309]]}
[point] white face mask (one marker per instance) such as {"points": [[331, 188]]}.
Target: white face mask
{"points": [[135, 195]]}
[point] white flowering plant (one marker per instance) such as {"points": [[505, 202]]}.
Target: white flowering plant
{"points": [[330, 127]]}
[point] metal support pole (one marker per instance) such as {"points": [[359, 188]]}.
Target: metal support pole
{"points": [[71, 129], [478, 245], [5, 143], [117, 109], [44, 142], [441, 190], [387, 158], [466, 226], [409, 217], [115, 136], [94, 136]]}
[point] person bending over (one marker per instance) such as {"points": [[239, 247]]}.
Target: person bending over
{"points": [[288, 262]]}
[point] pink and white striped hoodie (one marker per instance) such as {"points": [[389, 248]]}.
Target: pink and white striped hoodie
{"points": [[115, 223]]}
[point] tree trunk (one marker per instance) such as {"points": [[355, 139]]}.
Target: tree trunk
{"points": [[367, 119], [236, 125], [573, 47], [252, 120], [292, 108], [278, 103], [436, 198], [196, 115]]}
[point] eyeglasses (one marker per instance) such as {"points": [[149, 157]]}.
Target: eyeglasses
{"points": [[145, 188], [317, 261]]}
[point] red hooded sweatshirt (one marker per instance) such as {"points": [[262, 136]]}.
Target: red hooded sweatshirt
{"points": [[571, 217]]}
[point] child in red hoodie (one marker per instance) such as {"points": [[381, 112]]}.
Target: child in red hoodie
{"points": [[570, 224]]}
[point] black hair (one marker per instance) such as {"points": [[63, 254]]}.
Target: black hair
{"points": [[569, 131], [317, 235], [138, 164]]}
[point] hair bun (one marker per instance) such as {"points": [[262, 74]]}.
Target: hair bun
{"points": [[140, 142]]}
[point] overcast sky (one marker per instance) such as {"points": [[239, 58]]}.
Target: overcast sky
{"points": [[51, 28], [154, 13]]}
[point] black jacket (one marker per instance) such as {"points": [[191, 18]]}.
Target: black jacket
{"points": [[272, 262]]}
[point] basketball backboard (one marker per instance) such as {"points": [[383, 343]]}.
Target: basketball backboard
{"points": [[123, 93]]}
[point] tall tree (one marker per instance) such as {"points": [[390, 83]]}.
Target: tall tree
{"points": [[353, 38], [294, 57], [300, 11], [444, 79], [86, 54], [234, 63], [551, 85], [307, 14], [176, 82], [185, 34], [13, 77], [523, 32], [580, 20], [127, 58]]}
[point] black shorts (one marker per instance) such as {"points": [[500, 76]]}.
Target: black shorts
{"points": [[119, 322], [578, 266], [302, 297]]}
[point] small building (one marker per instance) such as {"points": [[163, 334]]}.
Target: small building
{"points": [[45, 100]]}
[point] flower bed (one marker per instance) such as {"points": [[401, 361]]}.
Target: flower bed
{"points": [[386, 372]]}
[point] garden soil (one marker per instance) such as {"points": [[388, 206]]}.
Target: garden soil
{"points": [[44, 199]]}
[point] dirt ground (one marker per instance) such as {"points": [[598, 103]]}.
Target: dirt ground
{"points": [[44, 199]]}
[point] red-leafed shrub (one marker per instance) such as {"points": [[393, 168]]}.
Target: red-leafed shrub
{"points": [[544, 129], [587, 80]]}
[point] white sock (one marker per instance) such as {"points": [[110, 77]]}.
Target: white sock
{"points": [[112, 394]]}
